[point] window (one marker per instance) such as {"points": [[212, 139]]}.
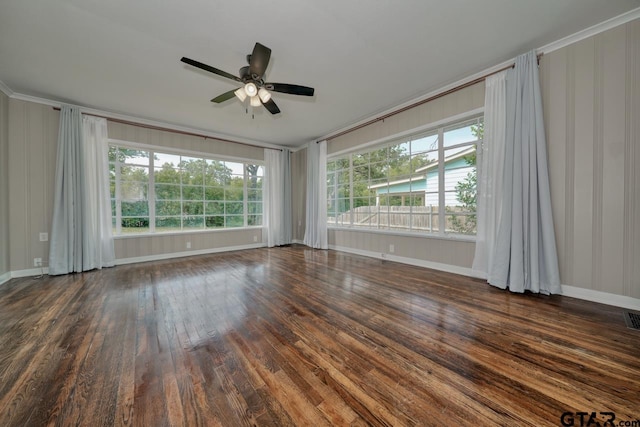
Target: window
{"points": [[425, 183], [153, 191]]}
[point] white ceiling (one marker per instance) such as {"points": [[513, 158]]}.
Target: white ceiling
{"points": [[361, 56]]}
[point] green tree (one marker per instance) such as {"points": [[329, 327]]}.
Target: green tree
{"points": [[467, 191]]}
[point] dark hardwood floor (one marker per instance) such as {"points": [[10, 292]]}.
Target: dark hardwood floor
{"points": [[294, 336]]}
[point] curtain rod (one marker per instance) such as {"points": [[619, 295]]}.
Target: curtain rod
{"points": [[423, 101], [180, 132]]}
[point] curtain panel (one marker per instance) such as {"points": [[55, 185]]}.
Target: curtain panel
{"points": [[277, 197], [81, 229], [316, 235], [520, 247]]}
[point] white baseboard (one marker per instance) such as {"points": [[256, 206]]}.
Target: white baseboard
{"points": [[567, 290], [5, 277], [147, 258], [300, 242], [404, 260], [29, 272], [601, 297]]}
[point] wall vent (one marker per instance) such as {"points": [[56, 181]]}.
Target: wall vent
{"points": [[632, 320]]}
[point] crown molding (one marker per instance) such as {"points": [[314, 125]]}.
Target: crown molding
{"points": [[588, 32], [147, 122], [5, 89], [591, 31]]}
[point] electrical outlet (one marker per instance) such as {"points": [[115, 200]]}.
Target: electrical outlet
{"points": [[37, 262], [44, 237], [392, 249], [188, 245], [255, 238]]}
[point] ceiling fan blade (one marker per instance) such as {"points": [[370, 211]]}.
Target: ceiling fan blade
{"points": [[291, 89], [259, 60], [210, 69], [224, 97], [271, 106]]}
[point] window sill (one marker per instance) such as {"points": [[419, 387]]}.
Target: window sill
{"points": [[183, 233], [455, 237]]}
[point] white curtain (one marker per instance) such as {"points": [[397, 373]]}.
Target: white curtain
{"points": [[315, 234], [277, 197], [490, 167], [97, 248], [524, 253], [81, 236]]}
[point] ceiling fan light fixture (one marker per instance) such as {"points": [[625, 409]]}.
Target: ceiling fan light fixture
{"points": [[264, 94], [241, 94], [251, 89], [255, 101]]}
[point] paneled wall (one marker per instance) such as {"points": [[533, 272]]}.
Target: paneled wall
{"points": [[32, 144], [4, 185], [33, 135], [591, 93], [456, 253], [298, 193]]}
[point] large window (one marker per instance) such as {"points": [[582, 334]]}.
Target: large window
{"points": [[424, 183], [154, 191]]}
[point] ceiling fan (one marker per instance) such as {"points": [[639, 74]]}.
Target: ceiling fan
{"points": [[252, 77]]}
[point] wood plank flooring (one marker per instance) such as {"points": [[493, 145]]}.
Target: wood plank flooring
{"points": [[298, 337]]}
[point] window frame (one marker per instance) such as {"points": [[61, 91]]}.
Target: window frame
{"points": [[438, 128], [151, 190]]}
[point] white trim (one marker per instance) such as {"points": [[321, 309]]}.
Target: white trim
{"points": [[567, 291], [548, 48], [186, 232], [591, 31], [5, 89], [179, 151], [404, 260], [296, 241], [419, 234], [148, 122], [411, 132], [158, 257], [30, 272], [5, 277], [601, 297]]}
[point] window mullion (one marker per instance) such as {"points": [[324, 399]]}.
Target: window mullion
{"points": [[152, 194], [351, 205], [118, 197], [245, 196], [441, 198]]}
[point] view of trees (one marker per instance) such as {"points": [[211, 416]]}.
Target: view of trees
{"points": [[189, 193], [349, 185]]}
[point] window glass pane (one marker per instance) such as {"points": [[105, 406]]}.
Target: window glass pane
{"points": [[214, 193], [162, 160], [234, 221], [216, 173], [192, 208], [168, 192], [168, 224], [235, 192], [460, 190], [254, 220], [254, 208], [254, 195], [192, 192], [425, 144], [164, 208], [193, 222], [214, 221], [192, 171], [459, 134], [214, 208], [167, 174], [234, 208], [133, 157]]}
